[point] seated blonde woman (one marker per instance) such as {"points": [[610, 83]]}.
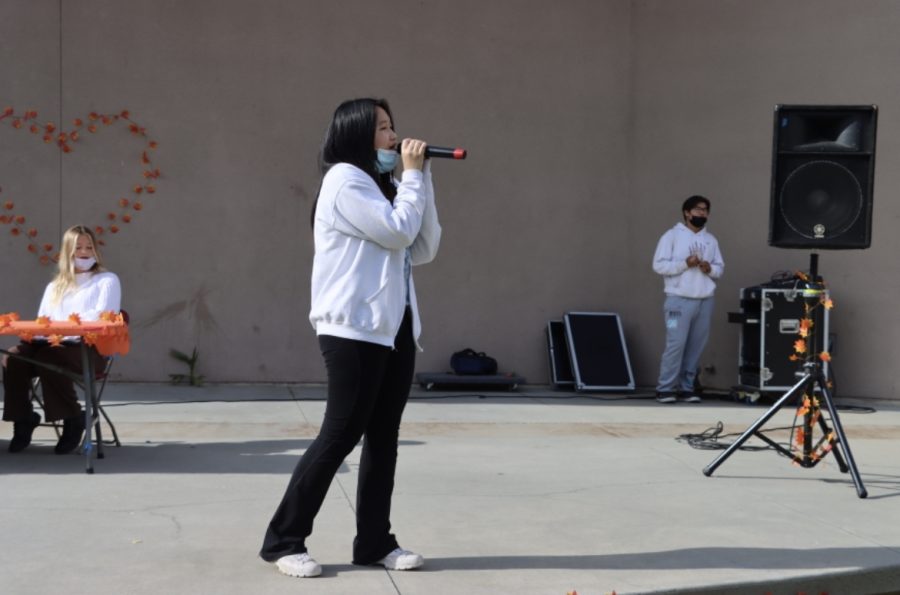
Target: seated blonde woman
{"points": [[81, 286]]}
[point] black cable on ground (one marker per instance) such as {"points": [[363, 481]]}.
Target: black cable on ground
{"points": [[710, 438]]}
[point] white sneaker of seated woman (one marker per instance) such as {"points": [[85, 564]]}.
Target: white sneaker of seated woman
{"points": [[299, 565], [401, 559]]}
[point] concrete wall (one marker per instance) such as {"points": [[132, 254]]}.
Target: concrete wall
{"points": [[707, 75], [238, 95], [587, 123]]}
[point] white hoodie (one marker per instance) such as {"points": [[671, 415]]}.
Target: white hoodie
{"points": [[358, 283], [672, 252]]}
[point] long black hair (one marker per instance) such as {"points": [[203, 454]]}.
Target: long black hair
{"points": [[350, 139]]}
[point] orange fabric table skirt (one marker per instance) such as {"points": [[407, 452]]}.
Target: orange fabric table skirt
{"points": [[109, 335]]}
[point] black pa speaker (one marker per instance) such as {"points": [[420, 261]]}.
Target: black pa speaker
{"points": [[823, 169]]}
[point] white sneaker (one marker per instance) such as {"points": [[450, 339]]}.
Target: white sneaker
{"points": [[401, 559], [299, 565]]}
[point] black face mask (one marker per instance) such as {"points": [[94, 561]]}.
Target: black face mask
{"points": [[698, 222]]}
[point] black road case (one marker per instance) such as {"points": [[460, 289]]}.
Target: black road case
{"points": [[770, 324]]}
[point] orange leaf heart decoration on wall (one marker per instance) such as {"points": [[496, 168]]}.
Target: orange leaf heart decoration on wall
{"points": [[65, 141]]}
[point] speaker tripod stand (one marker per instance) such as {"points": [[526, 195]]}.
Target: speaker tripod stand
{"points": [[813, 377]]}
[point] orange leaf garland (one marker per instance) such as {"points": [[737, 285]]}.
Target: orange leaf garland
{"points": [[74, 317], [43, 320], [65, 140]]}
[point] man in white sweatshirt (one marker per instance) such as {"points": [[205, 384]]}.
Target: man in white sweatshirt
{"points": [[688, 258]]}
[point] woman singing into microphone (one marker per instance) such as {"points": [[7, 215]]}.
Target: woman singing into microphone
{"points": [[369, 230]]}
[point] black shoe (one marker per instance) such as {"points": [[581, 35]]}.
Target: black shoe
{"points": [[22, 431], [73, 431], [667, 398]]}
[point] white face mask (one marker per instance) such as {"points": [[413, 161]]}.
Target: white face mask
{"points": [[85, 264]]}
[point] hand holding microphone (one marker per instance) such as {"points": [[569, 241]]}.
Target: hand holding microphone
{"points": [[412, 153], [442, 152]]}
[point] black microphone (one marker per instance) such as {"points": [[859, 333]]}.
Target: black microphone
{"points": [[443, 152]]}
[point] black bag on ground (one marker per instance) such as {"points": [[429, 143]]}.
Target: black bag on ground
{"points": [[469, 362]]}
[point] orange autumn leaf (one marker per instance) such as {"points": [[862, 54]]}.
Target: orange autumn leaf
{"points": [[75, 318], [111, 216], [114, 229], [828, 303], [55, 340], [153, 144], [20, 219], [17, 123], [108, 316], [126, 218], [50, 127], [77, 122], [806, 323], [43, 320], [800, 346], [803, 332], [825, 356], [92, 128], [9, 205], [44, 259], [125, 114], [151, 189], [138, 206], [123, 202], [33, 129], [144, 157], [138, 189], [32, 248], [32, 232], [74, 136], [14, 231]]}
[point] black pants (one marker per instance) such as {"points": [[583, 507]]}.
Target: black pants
{"points": [[368, 386], [60, 399]]}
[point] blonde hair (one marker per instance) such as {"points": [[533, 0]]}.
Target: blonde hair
{"points": [[65, 276]]}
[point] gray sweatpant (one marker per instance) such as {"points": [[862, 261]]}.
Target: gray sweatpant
{"points": [[687, 329]]}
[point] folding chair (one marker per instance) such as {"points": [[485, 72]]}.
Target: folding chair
{"points": [[100, 378]]}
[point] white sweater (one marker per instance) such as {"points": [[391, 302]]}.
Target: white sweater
{"points": [[672, 252], [95, 293], [358, 285]]}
